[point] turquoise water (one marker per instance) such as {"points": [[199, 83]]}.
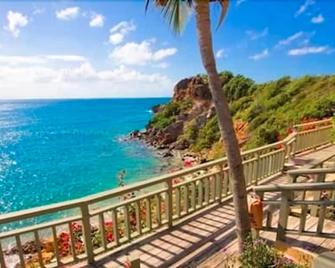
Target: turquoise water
{"points": [[56, 150]]}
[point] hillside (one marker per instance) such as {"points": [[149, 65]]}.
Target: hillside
{"points": [[262, 113]]}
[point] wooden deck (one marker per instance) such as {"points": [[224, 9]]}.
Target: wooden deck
{"points": [[205, 239]]}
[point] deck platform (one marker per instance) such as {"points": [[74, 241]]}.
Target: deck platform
{"points": [[204, 239]]}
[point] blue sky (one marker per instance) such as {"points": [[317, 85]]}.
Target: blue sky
{"points": [[82, 49]]}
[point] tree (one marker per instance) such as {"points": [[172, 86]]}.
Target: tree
{"points": [[176, 11]]}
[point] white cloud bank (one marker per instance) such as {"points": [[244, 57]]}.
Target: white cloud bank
{"points": [[120, 30], [15, 21], [97, 20], [69, 13], [73, 76], [40, 59], [310, 50], [140, 53], [262, 55]]}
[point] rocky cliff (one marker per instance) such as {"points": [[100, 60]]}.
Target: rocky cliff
{"points": [[261, 112]]}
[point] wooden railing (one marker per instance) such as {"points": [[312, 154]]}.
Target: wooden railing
{"points": [[103, 222], [308, 138], [316, 196]]}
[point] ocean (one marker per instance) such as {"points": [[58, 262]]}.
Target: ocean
{"points": [[57, 150]]}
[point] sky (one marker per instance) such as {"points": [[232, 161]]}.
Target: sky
{"points": [[100, 49]]}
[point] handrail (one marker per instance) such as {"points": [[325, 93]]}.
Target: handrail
{"points": [[173, 197], [320, 122], [317, 186], [311, 171]]}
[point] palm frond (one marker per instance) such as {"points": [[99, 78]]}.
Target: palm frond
{"points": [[224, 7], [176, 12]]}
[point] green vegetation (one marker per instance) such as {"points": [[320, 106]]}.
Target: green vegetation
{"points": [[259, 254], [167, 114], [269, 109]]}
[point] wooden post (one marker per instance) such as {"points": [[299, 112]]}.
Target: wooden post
{"points": [[283, 215], [319, 178], [170, 204], [87, 232]]}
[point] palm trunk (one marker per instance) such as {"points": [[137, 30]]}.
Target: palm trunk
{"points": [[230, 142]]}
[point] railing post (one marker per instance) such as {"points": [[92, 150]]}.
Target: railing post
{"points": [[170, 204], [283, 215], [319, 178], [258, 167], [87, 232]]}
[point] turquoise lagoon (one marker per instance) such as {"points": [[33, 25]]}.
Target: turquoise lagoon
{"points": [[57, 150]]}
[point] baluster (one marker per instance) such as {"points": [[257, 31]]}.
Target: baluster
{"points": [[212, 182], [218, 192], [169, 203], [225, 183], [178, 199], [148, 214], [283, 215], [127, 222], [115, 227], [206, 183], [87, 232], [270, 165], [38, 246], [193, 196], [102, 230], [322, 213], [73, 248], [258, 167], [159, 214], [2, 260], [19, 247], [55, 244], [304, 210], [138, 217], [186, 199], [201, 193]]}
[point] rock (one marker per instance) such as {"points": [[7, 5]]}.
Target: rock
{"points": [[182, 145], [172, 132], [156, 108], [167, 154]]}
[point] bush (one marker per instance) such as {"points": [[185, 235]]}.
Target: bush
{"points": [[259, 254], [208, 135]]}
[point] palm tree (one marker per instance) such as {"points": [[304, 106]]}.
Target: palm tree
{"points": [[176, 11]]}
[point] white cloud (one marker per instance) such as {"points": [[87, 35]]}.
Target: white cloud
{"points": [[68, 13], [220, 54], [318, 19], [304, 7], [239, 2], [310, 50], [120, 30], [253, 35], [40, 59], [97, 20], [262, 55], [15, 21], [290, 39], [82, 80], [140, 53]]}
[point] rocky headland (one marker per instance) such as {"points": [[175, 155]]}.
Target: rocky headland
{"points": [[262, 113]]}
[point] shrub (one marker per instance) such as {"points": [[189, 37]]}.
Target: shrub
{"points": [[259, 254], [208, 135]]}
